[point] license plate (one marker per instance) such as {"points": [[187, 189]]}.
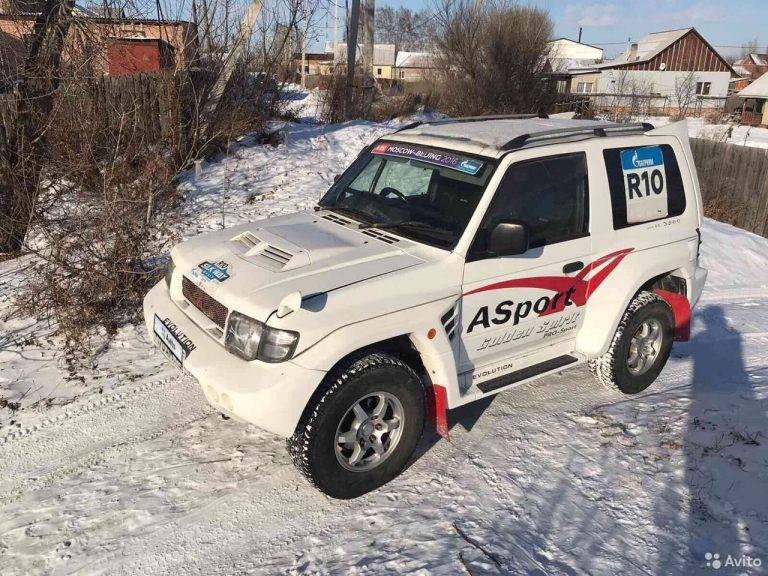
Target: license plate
{"points": [[170, 343]]}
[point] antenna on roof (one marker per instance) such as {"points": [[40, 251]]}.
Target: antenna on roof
{"points": [[580, 29]]}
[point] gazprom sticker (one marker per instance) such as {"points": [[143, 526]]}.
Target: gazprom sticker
{"points": [[645, 184], [462, 164]]}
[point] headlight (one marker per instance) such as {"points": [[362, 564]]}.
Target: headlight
{"points": [[169, 273], [253, 340]]}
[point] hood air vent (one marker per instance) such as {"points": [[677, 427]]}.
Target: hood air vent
{"points": [[379, 235], [337, 219], [262, 252]]}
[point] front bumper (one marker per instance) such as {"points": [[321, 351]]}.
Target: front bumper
{"points": [[271, 396]]}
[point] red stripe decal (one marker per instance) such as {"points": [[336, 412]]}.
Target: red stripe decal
{"points": [[582, 289]]}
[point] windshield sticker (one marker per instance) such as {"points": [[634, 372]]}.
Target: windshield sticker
{"points": [[645, 184], [466, 165]]}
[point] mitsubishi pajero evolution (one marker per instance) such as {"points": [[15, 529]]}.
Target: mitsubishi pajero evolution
{"points": [[451, 261]]}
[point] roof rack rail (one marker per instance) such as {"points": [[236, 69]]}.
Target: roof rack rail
{"points": [[566, 133], [461, 119]]}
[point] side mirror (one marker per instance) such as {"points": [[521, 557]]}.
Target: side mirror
{"points": [[508, 239], [336, 178]]}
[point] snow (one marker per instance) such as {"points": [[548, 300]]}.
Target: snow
{"points": [[123, 468], [699, 128]]}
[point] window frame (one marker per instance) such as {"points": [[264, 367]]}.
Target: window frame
{"points": [[608, 176], [493, 167], [706, 88], [475, 256]]}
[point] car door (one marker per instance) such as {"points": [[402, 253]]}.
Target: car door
{"points": [[513, 306]]}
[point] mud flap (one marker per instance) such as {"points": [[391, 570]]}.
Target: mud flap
{"points": [[681, 310], [437, 410]]}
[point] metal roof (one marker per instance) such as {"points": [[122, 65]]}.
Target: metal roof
{"points": [[758, 88], [648, 47]]}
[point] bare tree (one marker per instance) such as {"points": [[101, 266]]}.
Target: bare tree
{"points": [[685, 93], [492, 57], [407, 29], [25, 148], [749, 47]]}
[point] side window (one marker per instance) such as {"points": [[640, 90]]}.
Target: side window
{"points": [[627, 205], [550, 195]]}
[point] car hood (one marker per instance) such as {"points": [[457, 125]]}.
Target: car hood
{"points": [[252, 267]]}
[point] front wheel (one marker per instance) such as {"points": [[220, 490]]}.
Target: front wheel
{"points": [[362, 426], [640, 347]]}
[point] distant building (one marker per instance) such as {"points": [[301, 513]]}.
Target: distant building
{"points": [[755, 108], [315, 63], [653, 66], [752, 65], [749, 68], [112, 45], [413, 66], [565, 54], [383, 65]]}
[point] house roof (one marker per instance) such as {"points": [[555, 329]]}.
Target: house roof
{"points": [[383, 54], [574, 41], [740, 70], [414, 60], [758, 88], [648, 47], [756, 58]]}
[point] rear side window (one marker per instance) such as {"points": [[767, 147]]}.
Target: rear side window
{"points": [[550, 195], [645, 184]]}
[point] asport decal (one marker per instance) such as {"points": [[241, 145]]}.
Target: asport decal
{"points": [[568, 291]]}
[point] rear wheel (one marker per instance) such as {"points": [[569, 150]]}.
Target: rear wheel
{"points": [[361, 427], [640, 347]]}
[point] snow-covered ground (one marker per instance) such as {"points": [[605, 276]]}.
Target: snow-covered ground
{"points": [[122, 468], [699, 128]]}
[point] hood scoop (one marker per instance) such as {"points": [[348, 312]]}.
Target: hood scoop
{"points": [[268, 255]]}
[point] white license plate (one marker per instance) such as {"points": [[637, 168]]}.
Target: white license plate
{"points": [[169, 342]]}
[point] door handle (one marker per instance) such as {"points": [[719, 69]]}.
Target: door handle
{"points": [[573, 267]]}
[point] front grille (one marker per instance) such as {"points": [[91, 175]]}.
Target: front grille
{"points": [[212, 308]]}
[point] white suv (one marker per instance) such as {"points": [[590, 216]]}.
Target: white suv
{"points": [[451, 261]]}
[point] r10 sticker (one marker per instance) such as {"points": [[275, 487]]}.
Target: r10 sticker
{"points": [[645, 184]]}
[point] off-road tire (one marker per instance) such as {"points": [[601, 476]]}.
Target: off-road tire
{"points": [[611, 368], [312, 445]]}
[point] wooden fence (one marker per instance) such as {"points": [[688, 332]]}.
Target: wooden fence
{"points": [[734, 183]]}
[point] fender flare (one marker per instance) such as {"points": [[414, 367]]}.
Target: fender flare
{"points": [[681, 311]]}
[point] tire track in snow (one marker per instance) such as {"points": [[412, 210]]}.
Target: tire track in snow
{"points": [[68, 413], [42, 453]]}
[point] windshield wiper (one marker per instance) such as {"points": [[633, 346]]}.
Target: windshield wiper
{"points": [[408, 223], [413, 225], [364, 216]]}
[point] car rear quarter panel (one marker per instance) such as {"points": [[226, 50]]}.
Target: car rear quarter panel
{"points": [[660, 247]]}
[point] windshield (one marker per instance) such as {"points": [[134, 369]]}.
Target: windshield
{"points": [[421, 193]]}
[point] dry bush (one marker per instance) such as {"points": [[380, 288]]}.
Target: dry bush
{"points": [[400, 105], [492, 58], [723, 208], [116, 147], [717, 116], [334, 105]]}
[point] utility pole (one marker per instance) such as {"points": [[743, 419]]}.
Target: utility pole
{"points": [[238, 49], [335, 26], [369, 8], [352, 25]]}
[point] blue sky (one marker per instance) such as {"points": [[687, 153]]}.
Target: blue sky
{"points": [[725, 24]]}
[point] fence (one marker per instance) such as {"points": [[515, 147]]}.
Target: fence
{"points": [[734, 183]]}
